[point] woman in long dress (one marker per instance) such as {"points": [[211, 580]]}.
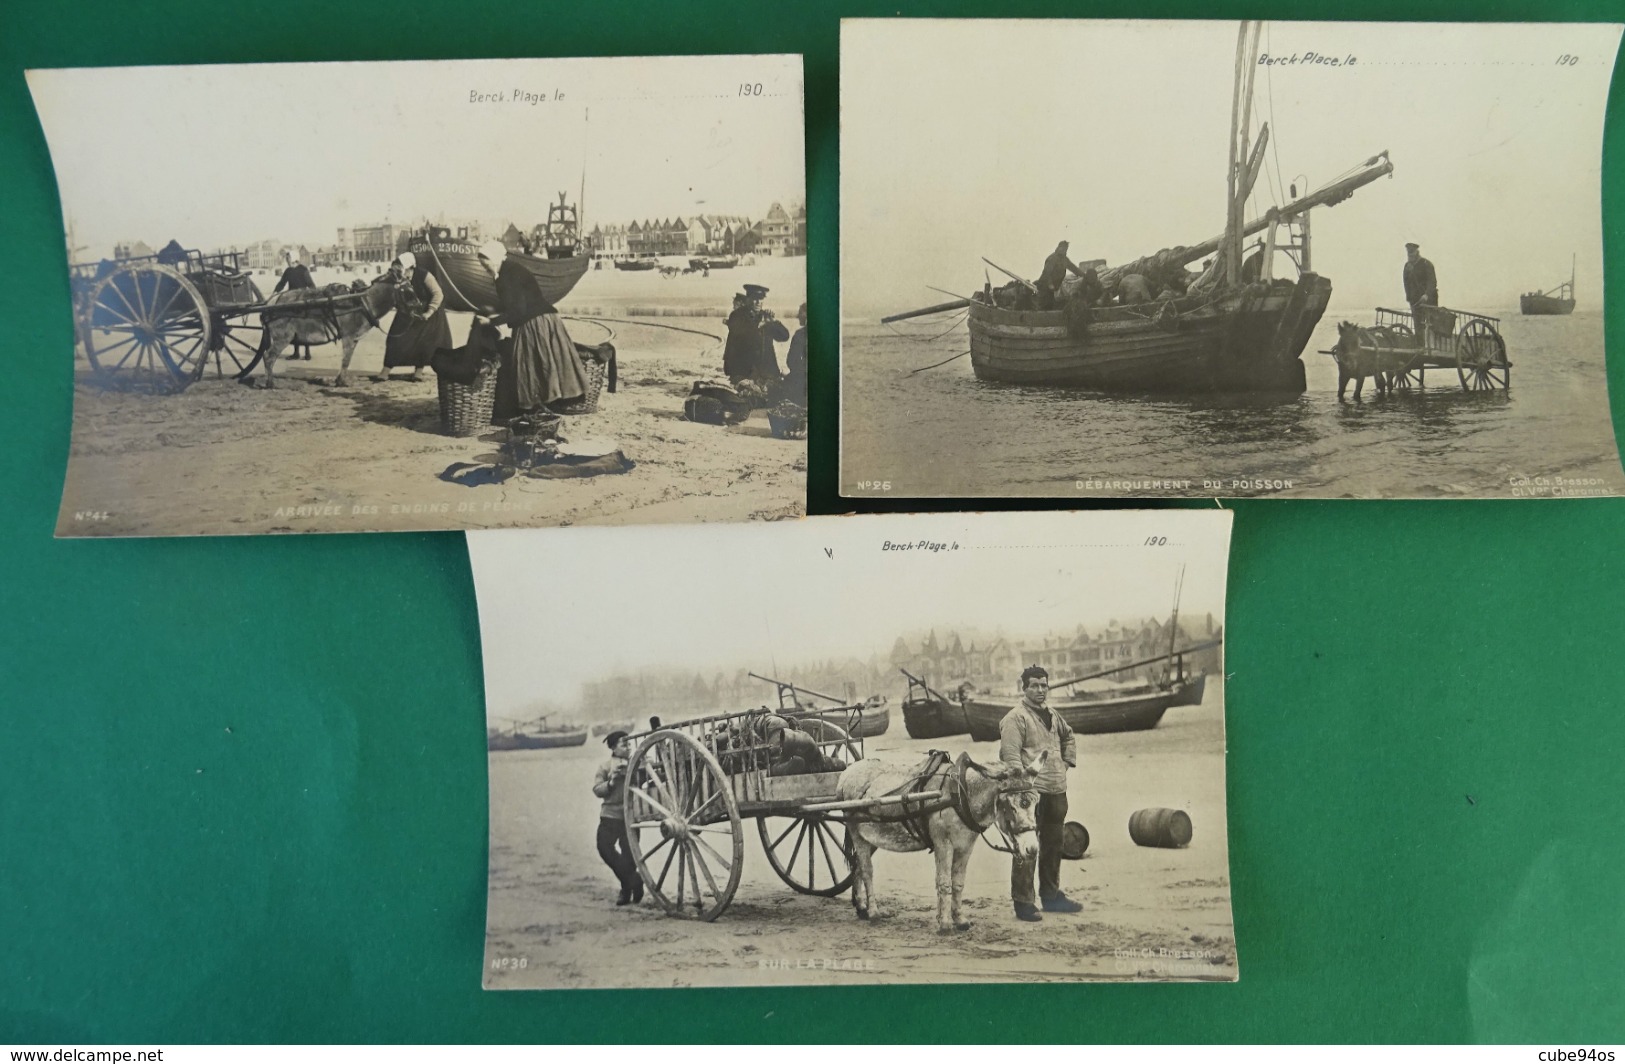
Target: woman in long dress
{"points": [[543, 366], [417, 332]]}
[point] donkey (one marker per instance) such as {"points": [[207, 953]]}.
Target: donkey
{"points": [[342, 313], [1357, 361], [976, 797]]}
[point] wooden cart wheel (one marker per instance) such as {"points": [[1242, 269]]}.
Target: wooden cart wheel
{"points": [[146, 326], [1412, 374], [235, 346], [683, 826], [1481, 358], [812, 852]]}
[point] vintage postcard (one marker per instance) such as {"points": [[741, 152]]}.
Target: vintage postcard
{"points": [[1179, 259], [432, 295], [908, 748]]}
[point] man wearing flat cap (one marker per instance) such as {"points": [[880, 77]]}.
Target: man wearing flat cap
{"points": [[612, 842], [752, 330], [1034, 736], [1421, 285]]}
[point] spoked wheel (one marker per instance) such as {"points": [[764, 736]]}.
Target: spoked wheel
{"points": [[1412, 375], [1481, 358], [683, 824], [812, 852], [235, 346], [146, 326]]}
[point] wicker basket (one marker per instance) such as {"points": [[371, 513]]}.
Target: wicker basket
{"points": [[465, 409], [597, 361], [788, 421]]}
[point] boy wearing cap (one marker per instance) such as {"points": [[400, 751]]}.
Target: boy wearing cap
{"points": [[612, 844]]}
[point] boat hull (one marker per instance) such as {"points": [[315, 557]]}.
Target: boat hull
{"points": [[863, 723], [1249, 340], [548, 741], [1192, 691], [934, 718], [471, 288], [1535, 303], [1095, 717]]}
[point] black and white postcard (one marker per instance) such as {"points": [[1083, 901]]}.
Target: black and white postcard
{"points": [[876, 749], [423, 295], [1180, 259]]}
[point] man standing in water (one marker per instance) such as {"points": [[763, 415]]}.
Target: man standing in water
{"points": [[1421, 285], [613, 846], [1034, 736]]}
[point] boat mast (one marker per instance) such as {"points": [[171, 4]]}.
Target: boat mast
{"points": [[1571, 275], [1173, 624], [1240, 173]]}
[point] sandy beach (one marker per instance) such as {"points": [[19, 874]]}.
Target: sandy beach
{"points": [[1149, 914], [222, 458]]}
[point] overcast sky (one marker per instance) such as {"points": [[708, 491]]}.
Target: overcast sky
{"points": [[1001, 138], [562, 606], [221, 155]]}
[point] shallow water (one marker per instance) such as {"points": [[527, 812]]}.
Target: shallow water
{"points": [[941, 432]]}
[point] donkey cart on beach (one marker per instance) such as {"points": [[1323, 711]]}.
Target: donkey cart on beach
{"points": [[160, 322], [1398, 350], [690, 786]]}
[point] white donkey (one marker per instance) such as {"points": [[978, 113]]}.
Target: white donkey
{"points": [[974, 798], [320, 316]]}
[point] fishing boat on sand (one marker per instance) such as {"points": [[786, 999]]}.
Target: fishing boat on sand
{"points": [[1559, 300], [864, 719], [928, 714], [636, 264], [1152, 325], [470, 287], [535, 734]]}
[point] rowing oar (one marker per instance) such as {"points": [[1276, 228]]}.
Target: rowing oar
{"points": [[1013, 276]]}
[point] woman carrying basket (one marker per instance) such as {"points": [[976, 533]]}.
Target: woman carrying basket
{"points": [[543, 366]]}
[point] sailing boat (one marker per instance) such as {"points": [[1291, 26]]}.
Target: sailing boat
{"points": [[535, 734], [1559, 300], [1228, 332], [1119, 707]]}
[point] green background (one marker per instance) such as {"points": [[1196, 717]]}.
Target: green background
{"points": [[242, 781]]}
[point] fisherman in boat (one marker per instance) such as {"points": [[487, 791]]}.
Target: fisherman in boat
{"points": [[752, 330], [419, 329], [1056, 267], [295, 277], [1032, 735], [613, 846], [1421, 285], [543, 365]]}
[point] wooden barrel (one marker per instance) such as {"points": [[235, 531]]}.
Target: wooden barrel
{"points": [[1167, 828]]}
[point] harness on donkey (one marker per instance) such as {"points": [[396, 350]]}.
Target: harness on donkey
{"points": [[941, 774], [322, 307]]}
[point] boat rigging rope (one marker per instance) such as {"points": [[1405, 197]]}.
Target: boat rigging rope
{"points": [[645, 324], [958, 321], [934, 365]]}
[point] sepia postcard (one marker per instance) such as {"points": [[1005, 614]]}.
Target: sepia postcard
{"points": [[909, 748], [1182, 259], [432, 295]]}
